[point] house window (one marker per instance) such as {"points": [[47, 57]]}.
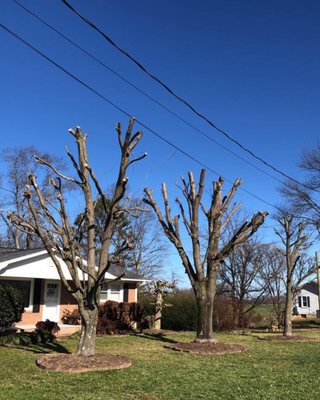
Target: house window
{"points": [[110, 292], [115, 289], [104, 292], [24, 287], [304, 301], [115, 292]]}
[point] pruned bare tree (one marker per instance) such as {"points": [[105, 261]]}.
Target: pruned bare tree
{"points": [[294, 238], [63, 242], [158, 289], [201, 269]]}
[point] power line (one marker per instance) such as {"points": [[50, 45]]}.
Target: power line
{"points": [[104, 65], [78, 80], [179, 98], [151, 98]]}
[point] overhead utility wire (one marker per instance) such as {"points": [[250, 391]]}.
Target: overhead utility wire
{"points": [[139, 122], [78, 80], [150, 97], [181, 99], [93, 57]]}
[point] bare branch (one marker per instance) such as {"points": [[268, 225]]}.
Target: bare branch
{"points": [[65, 177]]}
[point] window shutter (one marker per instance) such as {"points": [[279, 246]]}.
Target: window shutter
{"points": [[36, 295], [308, 301], [126, 292], [299, 300]]}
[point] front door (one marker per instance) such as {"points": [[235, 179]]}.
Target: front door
{"points": [[51, 306]]}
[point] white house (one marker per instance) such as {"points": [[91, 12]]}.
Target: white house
{"points": [[33, 273], [306, 302]]}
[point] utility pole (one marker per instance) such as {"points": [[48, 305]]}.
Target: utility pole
{"points": [[318, 282]]}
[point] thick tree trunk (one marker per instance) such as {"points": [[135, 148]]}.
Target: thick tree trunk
{"points": [[158, 313], [87, 342], [205, 301], [287, 323]]}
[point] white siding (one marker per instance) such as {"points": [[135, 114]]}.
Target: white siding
{"points": [[312, 310]]}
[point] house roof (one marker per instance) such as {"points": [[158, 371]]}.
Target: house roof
{"points": [[117, 270], [311, 286], [13, 262], [7, 254]]}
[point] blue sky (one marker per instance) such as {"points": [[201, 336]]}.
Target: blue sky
{"points": [[252, 67]]}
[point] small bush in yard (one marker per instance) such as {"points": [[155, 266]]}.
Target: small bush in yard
{"points": [[71, 317], [11, 306], [45, 332]]}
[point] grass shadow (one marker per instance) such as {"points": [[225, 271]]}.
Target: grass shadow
{"points": [[157, 336], [306, 324], [23, 341], [39, 349]]}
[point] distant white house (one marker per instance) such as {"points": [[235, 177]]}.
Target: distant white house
{"points": [[306, 301]]}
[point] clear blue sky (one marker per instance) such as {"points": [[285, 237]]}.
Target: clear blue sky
{"points": [[251, 66]]}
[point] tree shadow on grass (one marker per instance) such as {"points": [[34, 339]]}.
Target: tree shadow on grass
{"points": [[157, 336], [23, 341], [40, 349]]}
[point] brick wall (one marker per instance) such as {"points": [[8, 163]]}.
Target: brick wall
{"points": [[132, 292], [67, 302]]}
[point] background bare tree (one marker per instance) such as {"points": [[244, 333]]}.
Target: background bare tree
{"points": [[273, 274], [304, 197], [63, 242], [147, 249], [20, 163], [240, 276], [293, 236], [202, 270]]}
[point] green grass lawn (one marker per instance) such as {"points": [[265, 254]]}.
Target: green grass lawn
{"points": [[306, 323], [267, 370]]}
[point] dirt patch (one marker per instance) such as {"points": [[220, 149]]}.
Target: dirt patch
{"points": [[76, 363], [281, 338], [207, 348]]}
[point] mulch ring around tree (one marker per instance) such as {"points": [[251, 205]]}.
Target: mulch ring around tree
{"points": [[78, 363], [281, 338], [207, 348]]}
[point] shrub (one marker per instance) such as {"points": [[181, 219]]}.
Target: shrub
{"points": [[181, 314], [45, 332], [223, 318], [71, 317], [117, 317], [11, 306]]}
